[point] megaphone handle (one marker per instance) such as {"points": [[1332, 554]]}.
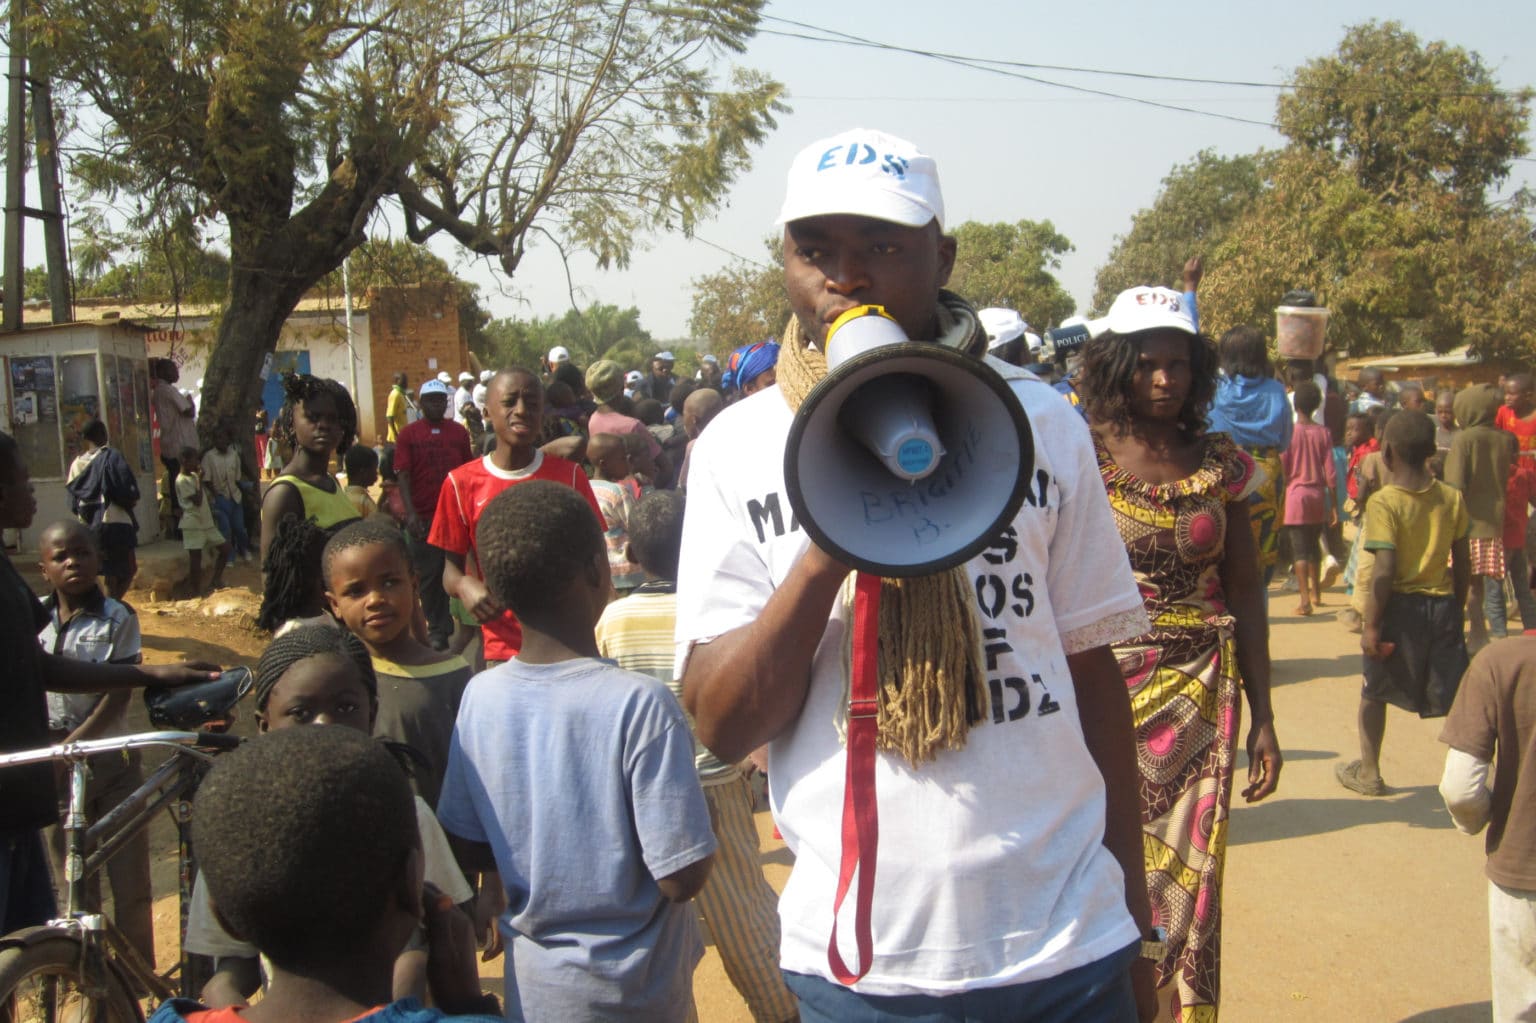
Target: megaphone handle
{"points": [[861, 813]]}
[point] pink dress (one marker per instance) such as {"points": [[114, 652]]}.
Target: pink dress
{"points": [[1309, 475]]}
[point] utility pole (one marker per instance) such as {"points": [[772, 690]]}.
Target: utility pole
{"points": [[51, 213]]}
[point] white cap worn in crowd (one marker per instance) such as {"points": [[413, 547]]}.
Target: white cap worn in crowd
{"points": [[633, 377], [445, 378], [1001, 325], [864, 173], [558, 354], [663, 357], [486, 375], [1144, 308], [466, 377]]}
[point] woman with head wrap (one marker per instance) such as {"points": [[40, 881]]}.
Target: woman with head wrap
{"points": [[1180, 499], [750, 368]]}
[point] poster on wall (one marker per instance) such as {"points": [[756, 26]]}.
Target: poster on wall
{"points": [[32, 373], [35, 415]]}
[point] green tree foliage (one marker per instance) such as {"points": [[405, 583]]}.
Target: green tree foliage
{"points": [[1192, 214], [35, 283], [1010, 265], [1383, 202], [742, 303], [1397, 113], [600, 331], [584, 122]]}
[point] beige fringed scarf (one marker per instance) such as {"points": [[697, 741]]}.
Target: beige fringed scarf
{"points": [[932, 688]]}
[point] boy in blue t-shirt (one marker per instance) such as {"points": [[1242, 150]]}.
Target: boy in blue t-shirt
{"points": [[575, 780]]}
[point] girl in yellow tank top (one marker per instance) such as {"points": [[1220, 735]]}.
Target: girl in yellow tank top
{"points": [[317, 421]]}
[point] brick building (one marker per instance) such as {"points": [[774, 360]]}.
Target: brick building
{"points": [[412, 329]]}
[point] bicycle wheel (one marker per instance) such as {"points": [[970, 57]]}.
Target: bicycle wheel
{"points": [[43, 983]]}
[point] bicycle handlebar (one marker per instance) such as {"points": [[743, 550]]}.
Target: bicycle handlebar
{"points": [[191, 742]]}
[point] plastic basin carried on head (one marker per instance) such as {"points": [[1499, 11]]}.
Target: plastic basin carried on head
{"points": [[1299, 331]]}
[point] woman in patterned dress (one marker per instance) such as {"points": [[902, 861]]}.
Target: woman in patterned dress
{"points": [[1180, 499]]}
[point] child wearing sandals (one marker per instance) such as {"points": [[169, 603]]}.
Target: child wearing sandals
{"points": [[1412, 640], [314, 675]]}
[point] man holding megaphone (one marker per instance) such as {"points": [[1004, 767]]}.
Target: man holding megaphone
{"points": [[900, 572]]}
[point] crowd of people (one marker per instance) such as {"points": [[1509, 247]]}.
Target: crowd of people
{"points": [[555, 598]]}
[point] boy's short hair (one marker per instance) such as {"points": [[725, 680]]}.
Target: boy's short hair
{"points": [[650, 412], [1365, 419], [304, 835], [1308, 397], [1410, 436], [188, 454], [656, 533], [359, 457], [361, 533], [95, 431], [532, 538]]}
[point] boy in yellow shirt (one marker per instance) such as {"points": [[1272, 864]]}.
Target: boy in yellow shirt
{"points": [[1412, 639]]}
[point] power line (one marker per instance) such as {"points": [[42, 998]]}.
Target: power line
{"points": [[974, 65], [857, 40], [838, 37]]}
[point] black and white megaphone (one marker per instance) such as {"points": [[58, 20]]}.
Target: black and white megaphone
{"points": [[906, 459]]}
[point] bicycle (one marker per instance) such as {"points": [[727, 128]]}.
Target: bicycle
{"points": [[79, 968]]}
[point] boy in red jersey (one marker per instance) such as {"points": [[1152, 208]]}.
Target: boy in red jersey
{"points": [[515, 407]]}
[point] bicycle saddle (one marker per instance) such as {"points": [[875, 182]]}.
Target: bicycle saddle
{"points": [[206, 706]]}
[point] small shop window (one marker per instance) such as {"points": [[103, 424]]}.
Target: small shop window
{"points": [[80, 400]]}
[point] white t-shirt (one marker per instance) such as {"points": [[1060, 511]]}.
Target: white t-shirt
{"points": [[991, 863]]}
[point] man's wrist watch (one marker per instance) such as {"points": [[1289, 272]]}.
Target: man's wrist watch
{"points": [[1154, 944]]}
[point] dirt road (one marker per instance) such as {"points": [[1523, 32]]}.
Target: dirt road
{"points": [[1338, 907]]}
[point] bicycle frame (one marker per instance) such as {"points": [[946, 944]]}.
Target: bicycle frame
{"points": [[88, 847]]}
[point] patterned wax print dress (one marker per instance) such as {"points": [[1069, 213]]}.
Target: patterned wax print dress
{"points": [[1182, 677]]}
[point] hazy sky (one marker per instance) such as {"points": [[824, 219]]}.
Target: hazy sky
{"points": [[1009, 149]]}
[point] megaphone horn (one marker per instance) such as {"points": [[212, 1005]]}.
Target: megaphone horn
{"points": [[905, 459]]}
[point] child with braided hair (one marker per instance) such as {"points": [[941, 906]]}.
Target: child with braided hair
{"points": [[293, 586], [317, 420], [315, 675]]}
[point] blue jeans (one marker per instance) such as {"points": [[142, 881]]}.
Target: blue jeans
{"points": [[1519, 573], [230, 518], [26, 886], [1099, 992]]}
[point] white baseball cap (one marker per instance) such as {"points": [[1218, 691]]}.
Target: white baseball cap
{"points": [[558, 354], [1144, 308], [1001, 325], [664, 357], [865, 173], [633, 377], [445, 378], [486, 375], [466, 377], [1033, 342]]}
